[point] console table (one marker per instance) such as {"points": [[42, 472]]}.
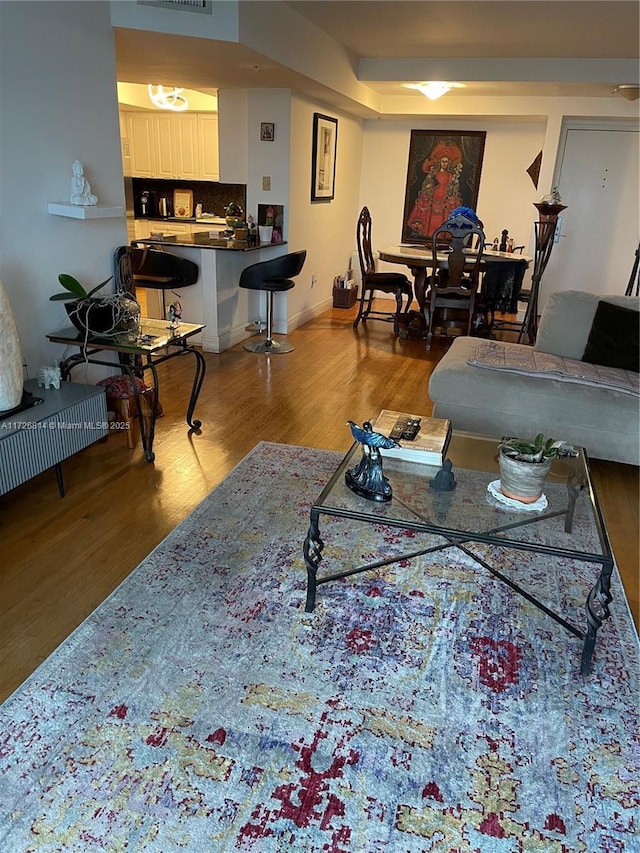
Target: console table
{"points": [[35, 439], [150, 345]]}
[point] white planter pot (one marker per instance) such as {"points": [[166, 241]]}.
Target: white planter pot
{"points": [[522, 481], [266, 233]]}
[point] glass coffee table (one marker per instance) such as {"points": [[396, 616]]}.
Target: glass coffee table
{"points": [[571, 526]]}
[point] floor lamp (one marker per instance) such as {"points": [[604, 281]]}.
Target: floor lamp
{"points": [[545, 230]]}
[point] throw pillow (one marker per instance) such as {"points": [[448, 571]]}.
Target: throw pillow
{"points": [[614, 338]]}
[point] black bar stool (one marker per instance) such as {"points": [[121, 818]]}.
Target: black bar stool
{"points": [[153, 268], [272, 276]]}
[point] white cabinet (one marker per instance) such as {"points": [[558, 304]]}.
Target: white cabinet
{"points": [[165, 145], [144, 227], [142, 144], [187, 149], [180, 146], [176, 138], [209, 162]]}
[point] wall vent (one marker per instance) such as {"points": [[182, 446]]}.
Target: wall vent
{"points": [[202, 6]]}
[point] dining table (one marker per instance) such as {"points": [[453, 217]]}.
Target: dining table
{"points": [[507, 269]]}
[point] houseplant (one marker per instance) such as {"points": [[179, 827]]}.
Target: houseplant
{"points": [[524, 466], [234, 215], [96, 314]]}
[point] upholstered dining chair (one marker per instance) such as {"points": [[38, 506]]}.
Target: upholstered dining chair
{"points": [[393, 283], [454, 289]]}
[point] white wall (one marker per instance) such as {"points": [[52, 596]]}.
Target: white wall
{"points": [[58, 103], [325, 228]]}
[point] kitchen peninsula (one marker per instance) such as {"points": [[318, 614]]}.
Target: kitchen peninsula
{"points": [[216, 300]]}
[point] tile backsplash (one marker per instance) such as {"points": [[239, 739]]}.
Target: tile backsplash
{"points": [[213, 196]]}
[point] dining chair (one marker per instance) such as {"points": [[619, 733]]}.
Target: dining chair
{"points": [[394, 283], [454, 289]]}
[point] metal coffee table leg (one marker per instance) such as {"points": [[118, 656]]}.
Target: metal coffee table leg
{"points": [[312, 550]]}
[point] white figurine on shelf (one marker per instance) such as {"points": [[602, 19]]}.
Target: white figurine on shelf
{"points": [[80, 187]]}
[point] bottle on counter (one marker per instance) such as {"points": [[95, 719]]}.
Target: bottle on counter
{"points": [[198, 211], [252, 239]]}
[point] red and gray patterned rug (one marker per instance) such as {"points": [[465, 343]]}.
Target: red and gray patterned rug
{"points": [[423, 708]]}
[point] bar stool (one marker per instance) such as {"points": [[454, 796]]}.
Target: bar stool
{"points": [[154, 269], [272, 276]]}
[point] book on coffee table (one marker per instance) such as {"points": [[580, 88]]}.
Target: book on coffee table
{"points": [[429, 447]]}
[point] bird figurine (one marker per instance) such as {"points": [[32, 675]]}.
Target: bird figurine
{"points": [[367, 478], [368, 438]]}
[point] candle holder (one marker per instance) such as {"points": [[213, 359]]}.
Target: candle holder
{"points": [[545, 229]]}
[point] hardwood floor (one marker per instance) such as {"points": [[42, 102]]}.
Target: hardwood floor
{"points": [[62, 557]]}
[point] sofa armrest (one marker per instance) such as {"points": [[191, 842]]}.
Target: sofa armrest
{"points": [[567, 318]]}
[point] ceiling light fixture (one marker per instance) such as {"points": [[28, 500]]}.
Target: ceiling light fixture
{"points": [[167, 99], [630, 91], [434, 89]]}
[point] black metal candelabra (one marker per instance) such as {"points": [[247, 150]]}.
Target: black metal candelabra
{"points": [[545, 230]]}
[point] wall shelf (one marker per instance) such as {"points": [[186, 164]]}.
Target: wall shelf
{"points": [[76, 211]]}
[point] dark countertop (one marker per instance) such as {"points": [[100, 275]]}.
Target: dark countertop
{"points": [[201, 240], [214, 221]]}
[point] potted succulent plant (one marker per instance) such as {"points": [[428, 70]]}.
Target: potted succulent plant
{"points": [[524, 465], [87, 312]]}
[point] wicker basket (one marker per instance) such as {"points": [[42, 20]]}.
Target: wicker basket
{"points": [[344, 297]]}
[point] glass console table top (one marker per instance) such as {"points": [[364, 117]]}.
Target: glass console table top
{"points": [[150, 336]]}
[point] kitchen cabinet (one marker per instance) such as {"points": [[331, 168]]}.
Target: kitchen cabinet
{"points": [[181, 146], [144, 227], [165, 146], [142, 144], [187, 147], [209, 162]]}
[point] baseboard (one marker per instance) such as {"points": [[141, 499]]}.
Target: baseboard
{"points": [[227, 339]]}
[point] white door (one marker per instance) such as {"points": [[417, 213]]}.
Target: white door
{"points": [[600, 228]]}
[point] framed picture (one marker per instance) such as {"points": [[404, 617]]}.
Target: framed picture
{"points": [[267, 131], [323, 157], [443, 173]]}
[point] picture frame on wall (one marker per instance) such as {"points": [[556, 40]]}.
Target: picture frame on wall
{"points": [[443, 173], [323, 157], [267, 131]]}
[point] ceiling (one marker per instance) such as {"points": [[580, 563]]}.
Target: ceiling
{"points": [[381, 36]]}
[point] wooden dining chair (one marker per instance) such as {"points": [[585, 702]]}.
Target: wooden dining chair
{"points": [[454, 289], [393, 283]]}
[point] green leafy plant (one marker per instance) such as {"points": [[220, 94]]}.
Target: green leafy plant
{"points": [[74, 290], [538, 450], [234, 209]]}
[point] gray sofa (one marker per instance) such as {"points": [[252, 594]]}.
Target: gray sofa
{"points": [[514, 401]]}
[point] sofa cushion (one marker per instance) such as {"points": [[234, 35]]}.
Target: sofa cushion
{"points": [[614, 339], [567, 319], [496, 355]]}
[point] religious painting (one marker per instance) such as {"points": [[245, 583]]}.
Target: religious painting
{"points": [[267, 131], [443, 173], [323, 158]]}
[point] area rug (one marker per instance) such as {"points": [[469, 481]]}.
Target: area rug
{"points": [[421, 708]]}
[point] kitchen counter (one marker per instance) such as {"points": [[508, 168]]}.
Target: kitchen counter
{"points": [[213, 221], [216, 300], [202, 240]]}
